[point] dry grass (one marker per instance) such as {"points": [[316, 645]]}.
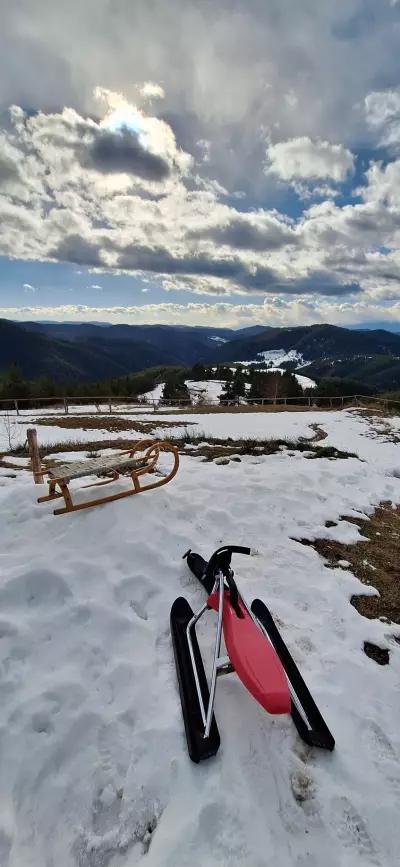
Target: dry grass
{"points": [[375, 563], [109, 423], [223, 448]]}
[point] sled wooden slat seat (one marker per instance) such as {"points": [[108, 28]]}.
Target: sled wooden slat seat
{"points": [[94, 467], [134, 463]]}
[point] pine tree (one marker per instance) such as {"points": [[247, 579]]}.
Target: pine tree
{"points": [[175, 388], [235, 389], [198, 372], [14, 384]]}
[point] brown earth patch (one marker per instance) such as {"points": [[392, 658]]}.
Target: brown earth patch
{"points": [[378, 654], [225, 448], [374, 560], [109, 423]]}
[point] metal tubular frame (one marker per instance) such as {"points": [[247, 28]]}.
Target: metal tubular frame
{"points": [[221, 664]]}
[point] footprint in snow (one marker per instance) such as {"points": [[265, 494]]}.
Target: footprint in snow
{"points": [[380, 743], [34, 588], [305, 644], [383, 751], [219, 826], [117, 827], [352, 830], [137, 592], [302, 787]]}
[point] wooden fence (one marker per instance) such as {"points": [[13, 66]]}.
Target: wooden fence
{"points": [[126, 405]]}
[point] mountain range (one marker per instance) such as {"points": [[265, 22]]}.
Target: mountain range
{"points": [[93, 351]]}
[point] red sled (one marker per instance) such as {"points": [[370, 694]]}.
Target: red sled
{"points": [[255, 651]]}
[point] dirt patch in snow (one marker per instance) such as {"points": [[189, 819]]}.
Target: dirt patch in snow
{"points": [[111, 423], [374, 562], [226, 448], [380, 655], [319, 434]]}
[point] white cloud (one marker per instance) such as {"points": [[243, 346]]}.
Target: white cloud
{"points": [[304, 159], [383, 186], [382, 109], [183, 234], [151, 90], [274, 311], [96, 286]]}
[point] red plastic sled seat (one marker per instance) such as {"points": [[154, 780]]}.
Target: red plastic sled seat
{"points": [[253, 658]]}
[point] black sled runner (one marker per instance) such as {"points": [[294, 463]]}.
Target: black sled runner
{"points": [[256, 651]]}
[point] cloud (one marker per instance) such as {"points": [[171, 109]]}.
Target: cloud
{"points": [[247, 232], [274, 311], [304, 159], [122, 151], [293, 69], [96, 286], [151, 90], [382, 110], [75, 249], [184, 229]]}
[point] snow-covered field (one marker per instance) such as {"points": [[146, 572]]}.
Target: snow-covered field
{"points": [[275, 357], [93, 764], [289, 425]]}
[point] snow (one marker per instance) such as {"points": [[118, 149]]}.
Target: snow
{"points": [[260, 425], [219, 339], [93, 768], [209, 388], [275, 357], [305, 381], [155, 393]]}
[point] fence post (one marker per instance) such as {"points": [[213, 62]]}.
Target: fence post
{"points": [[66, 406], [109, 404], [34, 455], [16, 406]]}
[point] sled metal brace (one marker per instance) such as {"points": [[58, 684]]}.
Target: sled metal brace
{"points": [[221, 664]]}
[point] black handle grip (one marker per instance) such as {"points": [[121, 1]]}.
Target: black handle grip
{"points": [[221, 559]]}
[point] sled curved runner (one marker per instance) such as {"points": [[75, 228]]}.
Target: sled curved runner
{"points": [[135, 463]]}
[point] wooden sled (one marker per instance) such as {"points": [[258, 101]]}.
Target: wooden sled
{"points": [[128, 463]]}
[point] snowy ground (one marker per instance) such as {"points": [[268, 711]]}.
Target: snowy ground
{"points": [[225, 424], [93, 763]]}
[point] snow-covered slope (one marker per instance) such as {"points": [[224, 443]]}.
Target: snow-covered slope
{"points": [[93, 766], [275, 357], [207, 390]]}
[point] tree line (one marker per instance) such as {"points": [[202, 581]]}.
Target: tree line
{"points": [[240, 383]]}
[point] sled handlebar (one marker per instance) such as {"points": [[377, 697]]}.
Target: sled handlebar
{"points": [[220, 561], [221, 558]]}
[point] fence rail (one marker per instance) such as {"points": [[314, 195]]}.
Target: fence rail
{"points": [[63, 404]]}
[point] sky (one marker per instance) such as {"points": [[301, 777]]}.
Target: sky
{"points": [[202, 163]]}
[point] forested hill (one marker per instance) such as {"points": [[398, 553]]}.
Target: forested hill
{"points": [[89, 351]]}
